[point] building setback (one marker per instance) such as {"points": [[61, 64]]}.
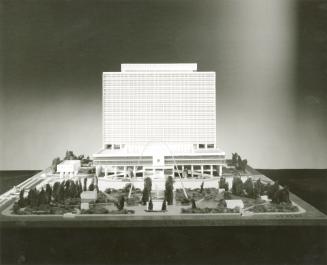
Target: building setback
{"points": [[159, 119]]}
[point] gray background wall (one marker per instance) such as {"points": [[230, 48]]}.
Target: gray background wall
{"points": [[269, 57]]}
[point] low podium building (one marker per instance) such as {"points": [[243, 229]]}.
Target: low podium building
{"points": [[69, 168], [159, 120]]}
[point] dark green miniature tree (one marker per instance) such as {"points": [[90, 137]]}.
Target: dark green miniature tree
{"points": [[61, 192], [22, 201], [164, 206], [48, 191], [258, 189], [243, 165], [146, 190], [222, 183], [234, 158], [201, 187], [55, 191], [80, 187], [42, 197], [91, 186], [193, 203], [249, 188], [70, 155], [273, 189], [33, 197], [226, 186], [121, 203], [169, 191], [237, 186], [54, 164], [150, 206], [85, 184]]}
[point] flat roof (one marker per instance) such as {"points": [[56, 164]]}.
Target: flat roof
{"points": [[125, 153], [189, 67], [65, 162]]}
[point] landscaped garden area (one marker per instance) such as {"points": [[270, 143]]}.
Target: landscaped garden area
{"points": [[65, 197], [256, 197]]}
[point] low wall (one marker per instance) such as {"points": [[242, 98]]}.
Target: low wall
{"points": [[160, 184]]}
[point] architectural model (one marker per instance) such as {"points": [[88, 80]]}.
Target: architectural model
{"points": [[159, 157]]}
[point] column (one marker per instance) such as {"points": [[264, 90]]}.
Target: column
{"points": [[211, 170], [202, 170], [192, 168], [134, 171], [105, 172], [220, 170], [182, 170], [173, 171], [125, 169]]}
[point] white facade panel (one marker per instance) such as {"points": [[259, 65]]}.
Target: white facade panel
{"points": [[157, 106]]}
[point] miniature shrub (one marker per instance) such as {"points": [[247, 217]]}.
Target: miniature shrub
{"points": [[101, 198], [185, 201]]}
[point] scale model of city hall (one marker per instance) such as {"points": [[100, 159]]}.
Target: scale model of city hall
{"points": [[159, 120], [159, 148]]}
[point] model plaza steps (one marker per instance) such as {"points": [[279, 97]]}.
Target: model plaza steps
{"points": [[157, 197]]}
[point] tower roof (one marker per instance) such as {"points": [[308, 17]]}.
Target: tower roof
{"points": [[184, 67]]}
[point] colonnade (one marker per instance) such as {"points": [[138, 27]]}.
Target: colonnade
{"points": [[193, 172]]}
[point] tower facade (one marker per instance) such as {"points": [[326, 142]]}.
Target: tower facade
{"points": [[159, 120], [172, 104]]}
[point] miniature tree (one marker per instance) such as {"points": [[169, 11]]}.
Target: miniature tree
{"points": [[54, 164], [33, 197], [164, 206], [226, 186], [48, 191], [169, 194], [80, 187], [91, 186], [61, 192], [249, 189], [85, 184], [121, 203], [243, 165], [70, 155], [234, 158], [22, 200], [273, 189], [222, 183], [42, 197], [237, 187], [201, 187], [239, 163], [281, 196], [285, 195], [55, 191], [193, 203], [257, 189], [150, 206], [146, 190]]}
